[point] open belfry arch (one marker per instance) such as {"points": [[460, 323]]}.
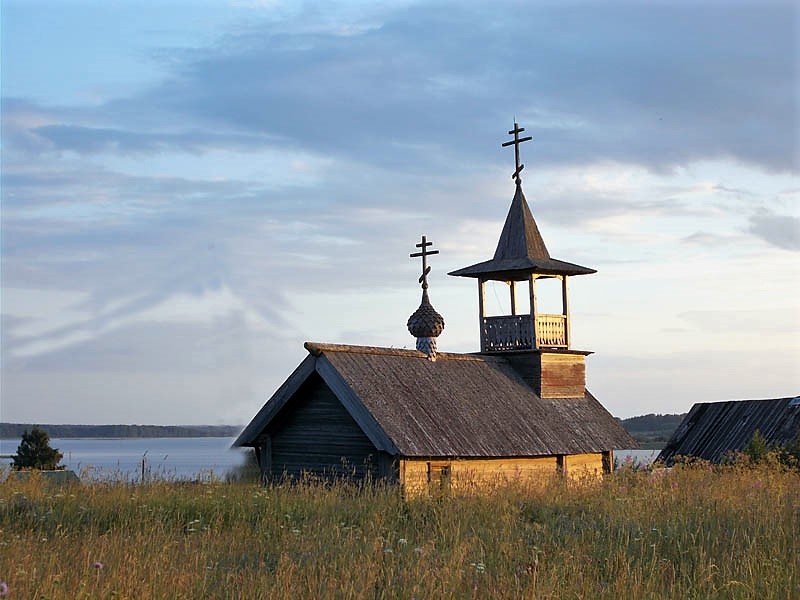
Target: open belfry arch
{"points": [[431, 421]]}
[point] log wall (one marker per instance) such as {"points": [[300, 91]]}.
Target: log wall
{"points": [[551, 374], [472, 475], [315, 434], [582, 466]]}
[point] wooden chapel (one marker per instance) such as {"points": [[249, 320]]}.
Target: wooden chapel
{"points": [[518, 410]]}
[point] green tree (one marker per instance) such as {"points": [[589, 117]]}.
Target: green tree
{"points": [[758, 449], [34, 452]]}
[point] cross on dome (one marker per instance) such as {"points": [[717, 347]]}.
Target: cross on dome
{"points": [[517, 141], [425, 253]]}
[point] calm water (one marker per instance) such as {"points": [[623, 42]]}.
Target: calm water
{"points": [[180, 458], [642, 457]]}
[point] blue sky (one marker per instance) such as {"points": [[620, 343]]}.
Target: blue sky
{"points": [[190, 190]]}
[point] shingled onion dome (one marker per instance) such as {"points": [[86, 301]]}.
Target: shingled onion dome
{"points": [[425, 324]]}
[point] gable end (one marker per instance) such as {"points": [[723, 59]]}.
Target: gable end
{"points": [[315, 434]]}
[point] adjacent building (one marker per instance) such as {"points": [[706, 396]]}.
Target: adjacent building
{"points": [[714, 430]]}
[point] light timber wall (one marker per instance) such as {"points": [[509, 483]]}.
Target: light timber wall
{"points": [[423, 476], [581, 466], [563, 375]]}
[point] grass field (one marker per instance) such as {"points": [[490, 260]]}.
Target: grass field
{"points": [[693, 532]]}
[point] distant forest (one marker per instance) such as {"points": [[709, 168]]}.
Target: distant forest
{"points": [[15, 430], [652, 431]]}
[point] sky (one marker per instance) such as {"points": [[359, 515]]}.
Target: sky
{"points": [[192, 189]]}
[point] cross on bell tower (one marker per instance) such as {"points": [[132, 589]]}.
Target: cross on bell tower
{"points": [[517, 141]]}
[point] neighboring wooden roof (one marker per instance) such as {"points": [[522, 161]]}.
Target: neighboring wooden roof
{"points": [[521, 249], [461, 405], [713, 429]]}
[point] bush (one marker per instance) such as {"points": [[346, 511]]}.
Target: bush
{"points": [[34, 452], [757, 449]]}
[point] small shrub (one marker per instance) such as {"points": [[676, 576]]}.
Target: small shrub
{"points": [[757, 449], [34, 452]]}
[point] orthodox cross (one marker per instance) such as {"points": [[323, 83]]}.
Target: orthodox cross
{"points": [[517, 141], [424, 253]]}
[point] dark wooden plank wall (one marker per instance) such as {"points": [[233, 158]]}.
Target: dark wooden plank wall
{"points": [[316, 434]]}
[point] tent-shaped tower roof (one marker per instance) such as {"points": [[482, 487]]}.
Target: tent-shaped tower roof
{"points": [[520, 250]]}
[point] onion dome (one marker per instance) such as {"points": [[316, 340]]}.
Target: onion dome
{"points": [[425, 324]]}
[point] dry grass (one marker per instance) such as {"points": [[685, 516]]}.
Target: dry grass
{"points": [[693, 532]]}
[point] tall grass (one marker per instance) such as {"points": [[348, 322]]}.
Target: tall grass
{"points": [[692, 532]]}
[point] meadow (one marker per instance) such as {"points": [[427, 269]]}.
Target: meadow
{"points": [[692, 532]]}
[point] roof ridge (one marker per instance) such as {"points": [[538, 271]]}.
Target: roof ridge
{"points": [[317, 348], [749, 400]]}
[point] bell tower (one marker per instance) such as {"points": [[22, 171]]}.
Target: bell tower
{"points": [[537, 345]]}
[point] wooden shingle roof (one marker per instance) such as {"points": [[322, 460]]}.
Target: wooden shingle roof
{"points": [[521, 250], [461, 405], [713, 429]]}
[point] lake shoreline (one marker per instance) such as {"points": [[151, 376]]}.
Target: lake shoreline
{"points": [[9, 431]]}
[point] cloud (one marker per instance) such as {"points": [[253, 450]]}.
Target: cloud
{"points": [[781, 231], [720, 321], [90, 140], [658, 85], [425, 86], [711, 240]]}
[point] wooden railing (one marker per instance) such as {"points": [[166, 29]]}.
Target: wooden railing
{"points": [[515, 332], [551, 331], [507, 333]]}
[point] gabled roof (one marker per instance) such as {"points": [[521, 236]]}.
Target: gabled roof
{"points": [[521, 249], [713, 429], [461, 405]]}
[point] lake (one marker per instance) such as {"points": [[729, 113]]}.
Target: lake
{"points": [[641, 457], [176, 458]]}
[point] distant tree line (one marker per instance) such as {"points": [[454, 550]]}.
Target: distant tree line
{"points": [[652, 422], [652, 431], [15, 430]]}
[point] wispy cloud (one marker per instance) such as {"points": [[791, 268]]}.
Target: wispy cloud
{"points": [[782, 231]]}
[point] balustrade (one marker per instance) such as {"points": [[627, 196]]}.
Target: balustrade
{"points": [[551, 331], [515, 332]]}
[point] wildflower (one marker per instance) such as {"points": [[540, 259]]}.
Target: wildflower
{"points": [[3, 588], [98, 565]]}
